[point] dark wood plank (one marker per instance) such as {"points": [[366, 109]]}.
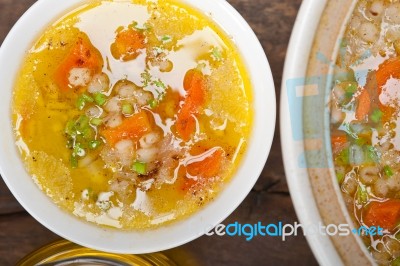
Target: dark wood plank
{"points": [[20, 234], [10, 11], [7, 202], [269, 202]]}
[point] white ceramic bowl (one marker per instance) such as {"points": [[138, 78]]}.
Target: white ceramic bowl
{"points": [[300, 188], [12, 52], [305, 130]]}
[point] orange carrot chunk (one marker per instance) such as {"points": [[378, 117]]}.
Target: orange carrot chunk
{"points": [[127, 44], [185, 124], [388, 69], [188, 183], [208, 167], [195, 85], [363, 105], [338, 142], [384, 214], [82, 55], [133, 127]]}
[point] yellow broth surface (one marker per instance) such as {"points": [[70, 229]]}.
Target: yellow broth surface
{"points": [[132, 114]]}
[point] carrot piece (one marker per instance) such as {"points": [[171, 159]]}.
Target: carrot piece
{"points": [[208, 167], [133, 127], [185, 124], [188, 183], [127, 44], [384, 214], [202, 170], [82, 55], [388, 69], [195, 85], [363, 106], [338, 142]]}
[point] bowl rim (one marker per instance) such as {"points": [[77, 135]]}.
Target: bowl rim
{"points": [[302, 39], [12, 51], [310, 192]]}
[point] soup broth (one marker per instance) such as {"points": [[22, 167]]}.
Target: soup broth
{"points": [[132, 114], [365, 124]]}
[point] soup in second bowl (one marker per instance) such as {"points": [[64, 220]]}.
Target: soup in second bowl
{"points": [[132, 114], [365, 121]]}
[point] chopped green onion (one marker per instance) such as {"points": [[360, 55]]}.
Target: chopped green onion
{"points": [[74, 161], [139, 168], [127, 109], [388, 170], [100, 99], [87, 133], [216, 53], [159, 84], [372, 153], [87, 98], [70, 128], [78, 150], [80, 103], [82, 100], [343, 157], [153, 103], [94, 144], [146, 78], [82, 123], [350, 90], [362, 194], [96, 121], [376, 116], [166, 38]]}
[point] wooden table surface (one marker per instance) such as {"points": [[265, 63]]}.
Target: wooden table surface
{"points": [[269, 201]]}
